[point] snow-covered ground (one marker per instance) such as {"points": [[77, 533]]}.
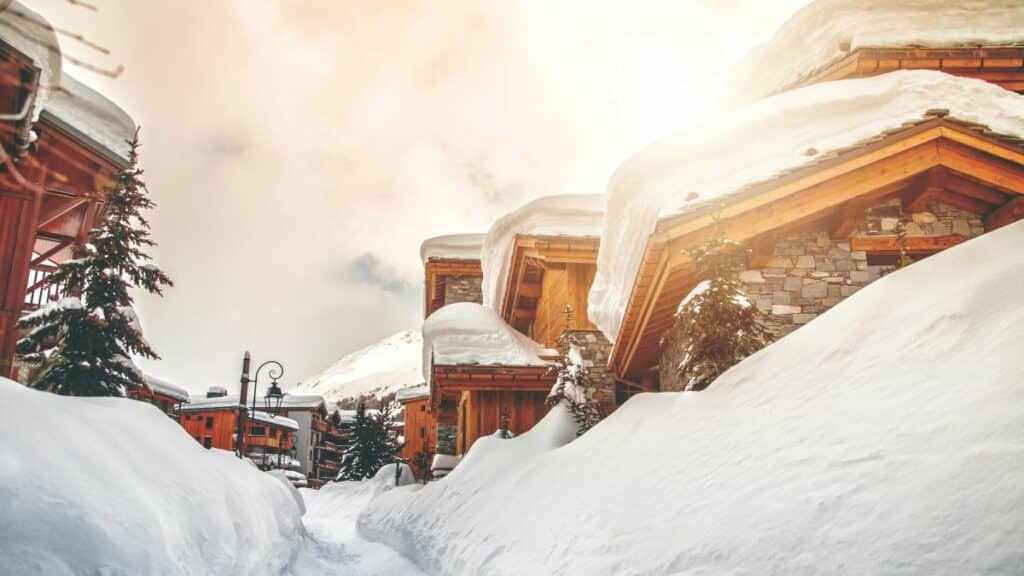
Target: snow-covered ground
{"points": [[113, 486], [883, 438], [379, 369]]}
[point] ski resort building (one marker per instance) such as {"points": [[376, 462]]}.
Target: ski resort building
{"points": [[818, 179], [213, 422], [63, 145]]}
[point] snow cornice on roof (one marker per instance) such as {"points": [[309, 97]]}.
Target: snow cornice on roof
{"points": [[824, 32], [92, 119], [452, 247]]}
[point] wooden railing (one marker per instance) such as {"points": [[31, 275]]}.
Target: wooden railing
{"points": [[39, 293]]}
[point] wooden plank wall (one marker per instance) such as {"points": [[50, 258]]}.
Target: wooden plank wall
{"points": [[224, 426], [566, 284], [17, 235], [420, 432], [480, 413]]}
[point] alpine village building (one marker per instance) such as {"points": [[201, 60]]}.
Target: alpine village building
{"points": [[916, 138]]}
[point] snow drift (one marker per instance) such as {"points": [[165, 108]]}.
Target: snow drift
{"points": [[379, 369], [113, 486], [882, 438], [722, 156]]}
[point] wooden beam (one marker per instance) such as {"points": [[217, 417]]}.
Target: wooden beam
{"points": [[957, 201], [848, 218], [54, 214], [890, 244], [524, 314], [48, 253], [994, 171], [960, 185], [1006, 214]]}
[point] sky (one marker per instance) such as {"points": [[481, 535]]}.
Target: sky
{"points": [[300, 151]]}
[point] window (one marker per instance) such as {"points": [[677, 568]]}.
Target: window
{"points": [[257, 431], [207, 442], [273, 432], [423, 407], [284, 435], [209, 422]]}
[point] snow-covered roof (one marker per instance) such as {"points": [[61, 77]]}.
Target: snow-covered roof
{"points": [[164, 387], [91, 117], [759, 141], [300, 401], [215, 403], [279, 421], [29, 33], [575, 215], [452, 247], [827, 30], [412, 393], [466, 333]]}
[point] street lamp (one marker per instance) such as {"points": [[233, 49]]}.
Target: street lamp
{"points": [[272, 399]]}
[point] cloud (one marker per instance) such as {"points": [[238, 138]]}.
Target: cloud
{"points": [[368, 269]]}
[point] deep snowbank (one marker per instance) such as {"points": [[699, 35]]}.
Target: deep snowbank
{"points": [[883, 438], [113, 486]]}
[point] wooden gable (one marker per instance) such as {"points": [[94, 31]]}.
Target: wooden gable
{"points": [[436, 274], [547, 274], [942, 159]]}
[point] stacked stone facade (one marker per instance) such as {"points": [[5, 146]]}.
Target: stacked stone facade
{"points": [[463, 289], [595, 350], [446, 434], [810, 272]]}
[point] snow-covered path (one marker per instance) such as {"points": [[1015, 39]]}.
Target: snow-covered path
{"points": [[333, 545]]}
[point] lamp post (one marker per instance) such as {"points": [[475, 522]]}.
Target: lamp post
{"points": [[272, 400]]}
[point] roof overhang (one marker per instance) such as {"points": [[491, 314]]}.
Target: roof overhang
{"points": [[451, 380], [530, 256], [939, 157], [1003, 66], [436, 270]]}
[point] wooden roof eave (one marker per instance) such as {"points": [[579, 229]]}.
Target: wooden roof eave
{"points": [[544, 248], [916, 148], [452, 379]]}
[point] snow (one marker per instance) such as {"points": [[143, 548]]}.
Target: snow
{"points": [[759, 141], [576, 215], [166, 388], [110, 485], [452, 247], [65, 303], [811, 40], [466, 333], [882, 438], [92, 117], [279, 421], [412, 393], [30, 34], [378, 370]]}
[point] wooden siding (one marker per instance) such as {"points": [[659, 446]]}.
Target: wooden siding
{"points": [[221, 430], [564, 285], [420, 433], [480, 414]]}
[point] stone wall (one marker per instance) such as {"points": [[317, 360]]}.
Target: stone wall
{"points": [[596, 349], [463, 289], [810, 272], [446, 434]]}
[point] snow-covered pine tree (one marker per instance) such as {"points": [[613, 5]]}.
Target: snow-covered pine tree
{"points": [[84, 342], [572, 384], [716, 325], [374, 444]]}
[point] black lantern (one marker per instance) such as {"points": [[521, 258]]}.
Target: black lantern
{"points": [[273, 399]]}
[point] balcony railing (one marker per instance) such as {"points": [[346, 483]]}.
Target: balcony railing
{"points": [[39, 293]]}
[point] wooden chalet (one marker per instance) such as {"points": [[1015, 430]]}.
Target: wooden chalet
{"points": [[213, 422], [62, 148], [451, 268], [945, 160], [419, 429], [162, 394]]}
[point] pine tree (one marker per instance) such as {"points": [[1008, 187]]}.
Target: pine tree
{"points": [[83, 343], [573, 382], [716, 325], [374, 444]]}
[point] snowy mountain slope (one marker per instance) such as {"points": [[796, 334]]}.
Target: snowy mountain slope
{"points": [[114, 486], [885, 437], [379, 369]]}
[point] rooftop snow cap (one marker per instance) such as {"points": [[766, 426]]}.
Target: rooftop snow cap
{"points": [[164, 387], [757, 143], [452, 247], [30, 34], [466, 333], [576, 215], [827, 30], [92, 118]]}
